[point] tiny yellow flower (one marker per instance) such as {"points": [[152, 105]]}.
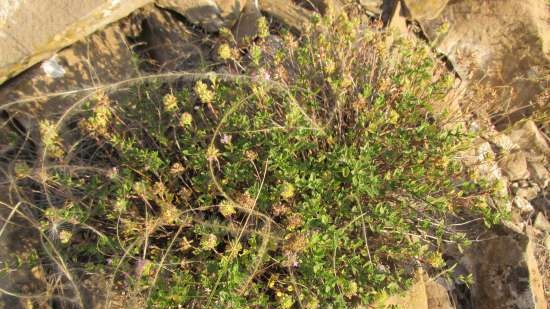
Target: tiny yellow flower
{"points": [[170, 102], [121, 204], [170, 214], [212, 153], [393, 117], [227, 208], [209, 242], [186, 119], [288, 191], [263, 28], [251, 155], [225, 52], [48, 132], [177, 168], [65, 236], [204, 93]]}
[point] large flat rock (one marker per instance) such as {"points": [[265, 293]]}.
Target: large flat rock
{"points": [[500, 48], [33, 30]]}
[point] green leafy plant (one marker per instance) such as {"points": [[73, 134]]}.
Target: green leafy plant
{"points": [[318, 175]]}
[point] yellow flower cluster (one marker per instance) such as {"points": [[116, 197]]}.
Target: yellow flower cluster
{"points": [[204, 93], [225, 52], [50, 139], [170, 102], [227, 208]]}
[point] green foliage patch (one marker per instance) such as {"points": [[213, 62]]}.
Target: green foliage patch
{"points": [[316, 176]]}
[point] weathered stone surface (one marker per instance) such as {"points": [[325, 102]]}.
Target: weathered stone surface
{"points": [[210, 14], [514, 165], [230, 10], [286, 12], [523, 205], [166, 42], [33, 30], [414, 298], [529, 138], [323, 7], [100, 59], [373, 6], [247, 25], [542, 223], [438, 295], [500, 48], [506, 274], [424, 9], [528, 193], [205, 13], [539, 173], [426, 293], [504, 142]]}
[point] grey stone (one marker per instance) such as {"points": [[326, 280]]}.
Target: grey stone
{"points": [[287, 13], [539, 173], [529, 137], [491, 44], [542, 223], [514, 165], [424, 9], [374, 7], [247, 24], [504, 143], [34, 30], [523, 205], [505, 271], [101, 58], [528, 193], [438, 295], [205, 13]]}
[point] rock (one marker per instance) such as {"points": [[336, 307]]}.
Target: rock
{"points": [[424, 9], [539, 173], [438, 295], [323, 7], [480, 152], [101, 58], [373, 7], [413, 298], [514, 165], [398, 25], [205, 13], [426, 293], [529, 137], [287, 13], [505, 271], [523, 205], [167, 43], [209, 14], [104, 58], [247, 25], [504, 143], [528, 193], [34, 30], [491, 44], [542, 223], [230, 10]]}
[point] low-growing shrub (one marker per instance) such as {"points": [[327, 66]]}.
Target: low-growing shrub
{"points": [[311, 174]]}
